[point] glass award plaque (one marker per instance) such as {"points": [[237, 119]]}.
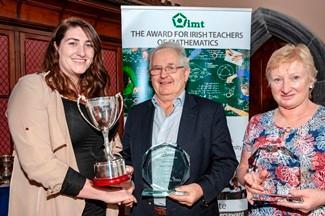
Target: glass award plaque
{"points": [[165, 167], [283, 172]]}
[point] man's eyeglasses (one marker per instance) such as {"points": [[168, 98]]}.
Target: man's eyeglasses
{"points": [[169, 69]]}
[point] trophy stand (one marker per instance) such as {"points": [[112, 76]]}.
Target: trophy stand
{"points": [[104, 113]]}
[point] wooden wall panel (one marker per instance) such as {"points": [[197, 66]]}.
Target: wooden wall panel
{"points": [[37, 15], [5, 140], [6, 52], [4, 65], [111, 29], [261, 99], [8, 8], [112, 62], [104, 17], [33, 48]]}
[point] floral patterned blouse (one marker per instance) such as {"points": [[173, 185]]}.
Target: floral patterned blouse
{"points": [[307, 142]]}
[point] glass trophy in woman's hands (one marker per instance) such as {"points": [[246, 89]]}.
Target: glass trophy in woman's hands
{"points": [[104, 113], [165, 167], [283, 169]]}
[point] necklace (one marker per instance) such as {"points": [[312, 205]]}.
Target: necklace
{"points": [[287, 129]]}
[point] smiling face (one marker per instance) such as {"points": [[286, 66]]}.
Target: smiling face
{"points": [[168, 86], [290, 84], [76, 53]]}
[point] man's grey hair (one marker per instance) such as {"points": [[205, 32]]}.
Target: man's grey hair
{"points": [[183, 60]]}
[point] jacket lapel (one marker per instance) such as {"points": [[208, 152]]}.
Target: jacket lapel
{"points": [[57, 121], [187, 123], [147, 125]]}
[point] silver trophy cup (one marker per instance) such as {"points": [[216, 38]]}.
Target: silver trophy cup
{"points": [[104, 113]]}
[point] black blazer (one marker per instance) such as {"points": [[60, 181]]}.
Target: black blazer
{"points": [[203, 134]]}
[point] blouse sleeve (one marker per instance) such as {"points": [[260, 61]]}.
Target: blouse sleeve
{"points": [[249, 134], [73, 183]]}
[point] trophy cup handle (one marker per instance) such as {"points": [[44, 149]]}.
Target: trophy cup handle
{"points": [[82, 114], [118, 96]]}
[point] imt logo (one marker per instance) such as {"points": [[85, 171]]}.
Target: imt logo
{"points": [[181, 21]]}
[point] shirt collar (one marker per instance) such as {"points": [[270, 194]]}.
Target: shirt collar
{"points": [[178, 101]]}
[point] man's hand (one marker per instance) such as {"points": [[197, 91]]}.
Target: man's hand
{"points": [[193, 192]]}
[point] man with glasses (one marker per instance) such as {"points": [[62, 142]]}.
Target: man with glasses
{"points": [[195, 124]]}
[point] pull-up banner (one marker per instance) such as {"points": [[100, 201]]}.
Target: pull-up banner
{"points": [[217, 42]]}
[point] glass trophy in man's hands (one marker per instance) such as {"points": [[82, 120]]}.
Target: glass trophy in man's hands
{"points": [[283, 169], [165, 167], [104, 113]]}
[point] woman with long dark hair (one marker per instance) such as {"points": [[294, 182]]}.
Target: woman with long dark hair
{"points": [[55, 149]]}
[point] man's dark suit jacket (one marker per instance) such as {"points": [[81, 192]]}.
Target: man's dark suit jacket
{"points": [[203, 134]]}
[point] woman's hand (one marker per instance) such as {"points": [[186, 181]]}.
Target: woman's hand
{"points": [[128, 186], [253, 183], [119, 196], [310, 199]]}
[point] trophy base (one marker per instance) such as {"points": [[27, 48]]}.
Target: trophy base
{"points": [[275, 198], [104, 182], [147, 192]]}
